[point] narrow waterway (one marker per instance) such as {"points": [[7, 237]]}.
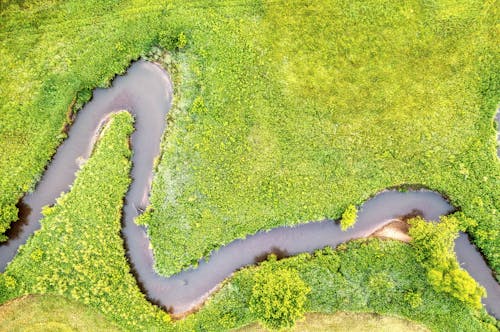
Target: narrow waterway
{"points": [[146, 92]]}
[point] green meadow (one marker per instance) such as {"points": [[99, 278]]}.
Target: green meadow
{"points": [[290, 112], [50, 313]]}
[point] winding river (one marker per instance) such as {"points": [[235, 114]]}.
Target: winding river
{"points": [[146, 92]]}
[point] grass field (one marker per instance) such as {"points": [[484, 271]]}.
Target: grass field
{"points": [[53, 53], [79, 254], [303, 108], [342, 321], [50, 313], [285, 112]]}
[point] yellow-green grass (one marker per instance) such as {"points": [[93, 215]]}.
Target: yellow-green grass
{"points": [[302, 108], [44, 313], [347, 321]]}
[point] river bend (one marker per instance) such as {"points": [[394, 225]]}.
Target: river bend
{"points": [[146, 92]]}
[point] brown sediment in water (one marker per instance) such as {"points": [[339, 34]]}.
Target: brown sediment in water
{"points": [[396, 229], [201, 302]]}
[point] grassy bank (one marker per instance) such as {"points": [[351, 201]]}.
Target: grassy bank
{"points": [[53, 53], [79, 253], [342, 321], [50, 313], [363, 276]]}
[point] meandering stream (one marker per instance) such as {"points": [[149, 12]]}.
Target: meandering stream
{"points": [[146, 92]]}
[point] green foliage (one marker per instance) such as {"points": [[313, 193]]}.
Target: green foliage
{"points": [[198, 107], [348, 217], [301, 119], [373, 276], [181, 41], [291, 132], [78, 253], [144, 218], [171, 39], [52, 54], [433, 243], [380, 284], [278, 297], [82, 97], [414, 299], [8, 213], [288, 133]]}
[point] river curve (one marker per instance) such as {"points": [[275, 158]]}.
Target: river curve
{"points": [[146, 92]]}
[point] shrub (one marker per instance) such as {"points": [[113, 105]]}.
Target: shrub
{"points": [[348, 217], [278, 297], [171, 39], [433, 243], [181, 41], [414, 299]]}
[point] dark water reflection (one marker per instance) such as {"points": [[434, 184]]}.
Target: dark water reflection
{"points": [[146, 92]]}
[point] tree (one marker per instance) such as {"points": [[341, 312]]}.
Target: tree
{"points": [[348, 217], [278, 297], [433, 243]]}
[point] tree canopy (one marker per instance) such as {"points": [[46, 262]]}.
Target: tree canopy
{"points": [[278, 297]]}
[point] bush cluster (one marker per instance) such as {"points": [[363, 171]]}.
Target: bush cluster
{"points": [[278, 297], [434, 244], [379, 276]]}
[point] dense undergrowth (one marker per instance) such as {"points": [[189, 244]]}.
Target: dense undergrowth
{"points": [[434, 244], [79, 252], [361, 276]]}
